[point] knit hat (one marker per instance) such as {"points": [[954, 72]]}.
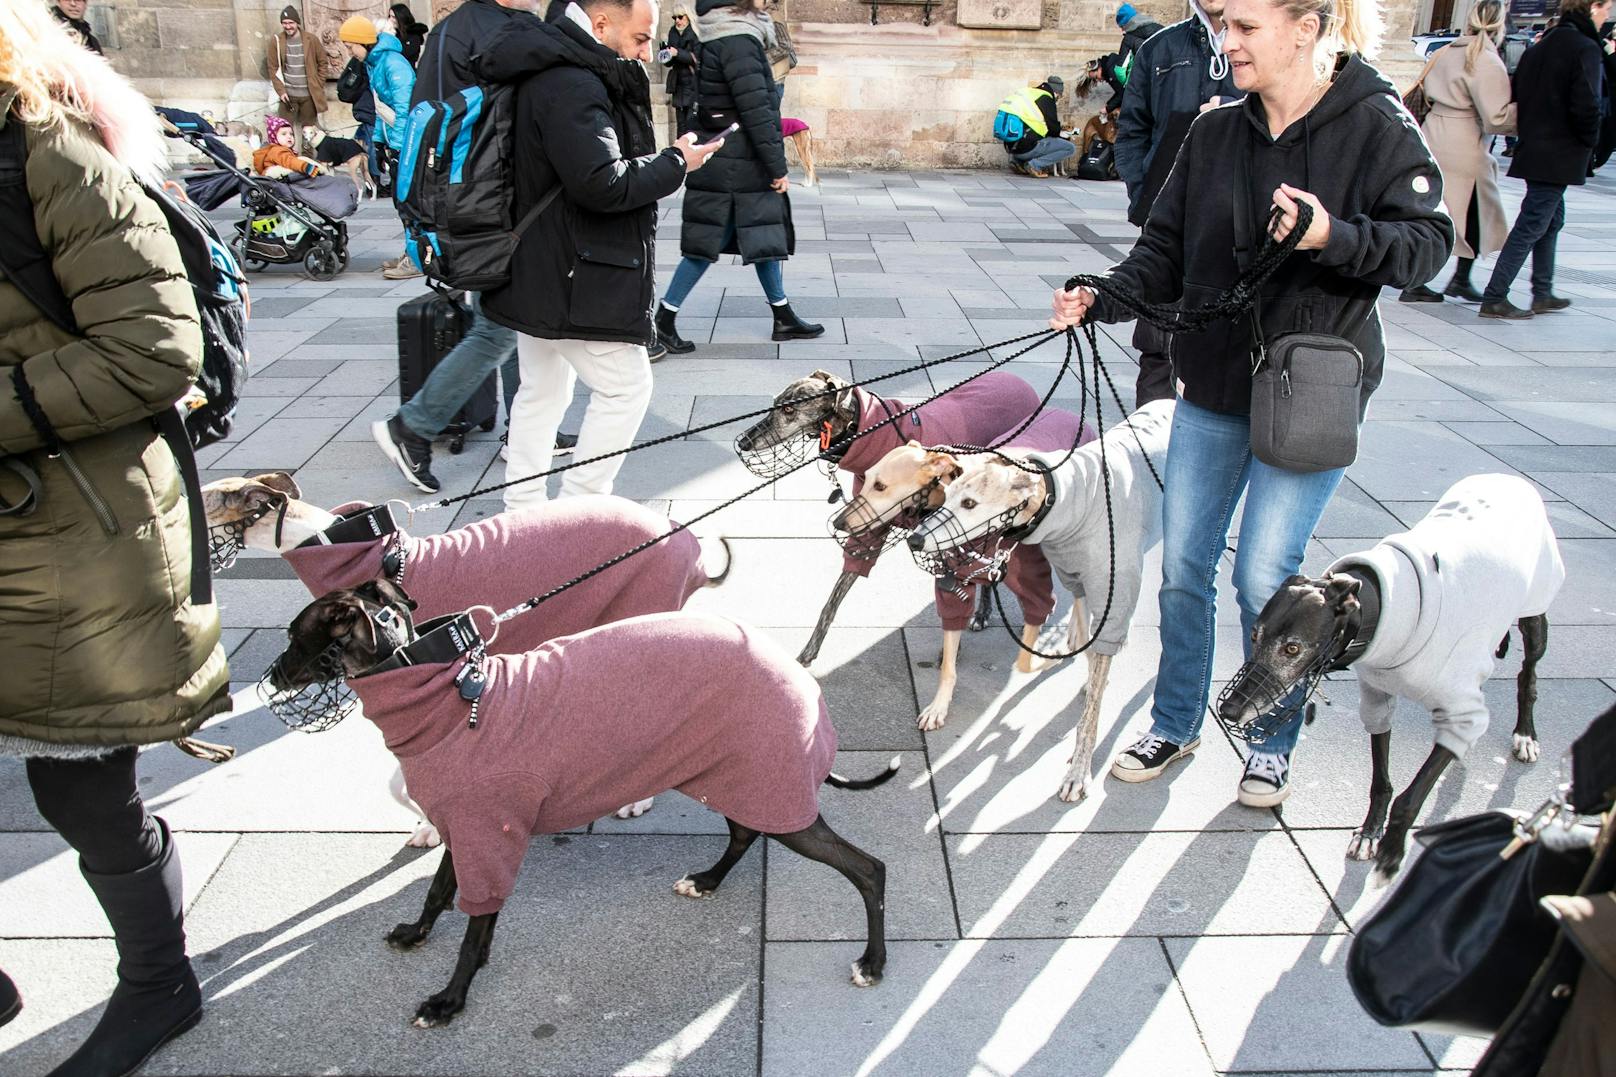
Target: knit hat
{"points": [[1056, 84], [1126, 12], [358, 30], [273, 125], [290, 11]]}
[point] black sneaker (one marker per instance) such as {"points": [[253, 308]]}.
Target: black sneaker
{"points": [[10, 999], [1266, 782], [1148, 757], [565, 443], [411, 452], [656, 351]]}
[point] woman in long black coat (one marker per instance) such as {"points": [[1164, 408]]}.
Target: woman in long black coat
{"points": [[685, 58], [737, 203]]}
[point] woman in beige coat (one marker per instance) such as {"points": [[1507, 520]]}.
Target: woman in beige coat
{"points": [[1468, 88]]}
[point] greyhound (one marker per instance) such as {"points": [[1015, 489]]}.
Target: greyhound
{"points": [[1417, 616], [498, 561], [821, 410], [1057, 501], [631, 709], [908, 482]]}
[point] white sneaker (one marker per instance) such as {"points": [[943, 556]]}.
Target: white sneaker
{"points": [[1266, 781]]}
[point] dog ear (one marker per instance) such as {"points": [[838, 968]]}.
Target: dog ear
{"points": [[281, 481], [340, 614], [385, 592], [827, 377], [1339, 589], [940, 465]]}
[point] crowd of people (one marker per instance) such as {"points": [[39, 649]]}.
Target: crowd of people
{"points": [[1246, 103]]}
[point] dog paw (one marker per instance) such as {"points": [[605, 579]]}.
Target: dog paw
{"points": [[634, 810], [438, 1010], [406, 936], [691, 888], [864, 975], [425, 836], [1363, 846], [1075, 789], [1525, 748], [933, 717]]}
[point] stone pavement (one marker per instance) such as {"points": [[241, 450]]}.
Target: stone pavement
{"points": [[1154, 930]]}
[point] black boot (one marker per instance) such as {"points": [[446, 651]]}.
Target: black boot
{"points": [[10, 1000], [157, 996], [668, 333], [1460, 287], [787, 326]]}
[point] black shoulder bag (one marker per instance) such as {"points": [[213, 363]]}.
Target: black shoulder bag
{"points": [[1304, 386]]}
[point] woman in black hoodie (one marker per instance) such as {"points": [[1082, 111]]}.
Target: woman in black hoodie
{"points": [[411, 34], [1318, 125]]}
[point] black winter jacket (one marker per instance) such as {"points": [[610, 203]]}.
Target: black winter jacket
{"points": [[682, 70], [736, 85], [1557, 95], [353, 88], [1169, 82], [459, 41], [1029, 141], [1360, 154], [583, 271]]}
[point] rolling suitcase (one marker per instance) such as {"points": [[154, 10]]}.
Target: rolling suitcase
{"points": [[429, 327]]}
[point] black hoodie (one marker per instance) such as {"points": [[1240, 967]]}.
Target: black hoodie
{"points": [[1359, 152]]}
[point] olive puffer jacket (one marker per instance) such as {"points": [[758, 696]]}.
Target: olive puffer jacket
{"points": [[102, 646]]}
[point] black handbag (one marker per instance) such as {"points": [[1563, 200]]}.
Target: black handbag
{"points": [[1099, 161], [1452, 950]]}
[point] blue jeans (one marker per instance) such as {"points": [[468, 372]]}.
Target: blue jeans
{"points": [[1049, 152], [771, 275], [1536, 232], [486, 345], [1209, 465]]}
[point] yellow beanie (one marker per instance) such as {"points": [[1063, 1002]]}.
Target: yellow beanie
{"points": [[359, 30]]}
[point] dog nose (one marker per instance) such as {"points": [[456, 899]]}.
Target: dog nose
{"points": [[917, 541], [744, 442]]}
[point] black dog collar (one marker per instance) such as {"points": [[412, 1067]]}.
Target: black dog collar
{"points": [[441, 640], [362, 525], [1360, 630], [1017, 534]]}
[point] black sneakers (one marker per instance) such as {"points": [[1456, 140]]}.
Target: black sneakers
{"points": [[1266, 782], [1149, 756], [411, 452], [10, 999]]}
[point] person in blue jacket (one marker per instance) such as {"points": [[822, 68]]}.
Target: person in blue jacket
{"points": [[392, 80]]}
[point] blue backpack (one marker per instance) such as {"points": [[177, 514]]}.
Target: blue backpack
{"points": [[1008, 127]]}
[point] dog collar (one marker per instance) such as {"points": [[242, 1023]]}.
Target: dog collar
{"points": [[1360, 631], [363, 525], [1017, 534], [441, 640]]}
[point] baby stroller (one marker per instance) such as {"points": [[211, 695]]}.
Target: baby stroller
{"points": [[286, 223]]}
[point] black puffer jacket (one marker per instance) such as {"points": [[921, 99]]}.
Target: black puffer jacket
{"points": [[681, 84], [583, 271], [1360, 154], [737, 86], [454, 46], [1557, 92]]}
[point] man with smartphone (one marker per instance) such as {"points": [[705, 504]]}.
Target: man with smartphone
{"points": [[579, 297]]}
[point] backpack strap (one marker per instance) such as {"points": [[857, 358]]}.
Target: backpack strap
{"points": [[536, 212]]}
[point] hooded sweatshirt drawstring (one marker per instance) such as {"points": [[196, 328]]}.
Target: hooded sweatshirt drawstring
{"points": [[1218, 65]]}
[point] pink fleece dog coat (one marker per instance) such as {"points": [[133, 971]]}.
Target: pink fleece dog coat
{"points": [[1027, 575], [577, 727], [512, 556], [976, 413]]}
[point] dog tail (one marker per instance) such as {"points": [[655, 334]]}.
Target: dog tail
{"points": [[839, 782], [714, 579]]}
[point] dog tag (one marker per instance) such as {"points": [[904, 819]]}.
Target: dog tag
{"points": [[470, 682], [835, 495]]}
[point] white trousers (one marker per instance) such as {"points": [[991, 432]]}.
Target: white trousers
{"points": [[619, 380]]}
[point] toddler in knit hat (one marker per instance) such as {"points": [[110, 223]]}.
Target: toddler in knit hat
{"points": [[276, 158]]}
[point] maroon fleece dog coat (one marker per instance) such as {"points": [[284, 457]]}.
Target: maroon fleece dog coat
{"points": [[575, 728]]}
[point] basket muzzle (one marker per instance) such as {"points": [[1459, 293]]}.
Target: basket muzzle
{"points": [[321, 698]]}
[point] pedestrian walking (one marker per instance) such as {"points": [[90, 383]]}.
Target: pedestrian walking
{"points": [[296, 64], [392, 80], [411, 33], [1182, 72], [1558, 90], [1137, 28], [683, 50], [1318, 125], [104, 648], [582, 276], [739, 205], [1468, 87]]}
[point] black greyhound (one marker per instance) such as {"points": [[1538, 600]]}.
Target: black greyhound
{"points": [[347, 633], [1311, 626]]}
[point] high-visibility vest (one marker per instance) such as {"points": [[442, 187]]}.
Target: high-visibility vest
{"points": [[1023, 104]]}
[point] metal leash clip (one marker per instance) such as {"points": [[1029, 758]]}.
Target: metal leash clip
{"points": [[1556, 809]]}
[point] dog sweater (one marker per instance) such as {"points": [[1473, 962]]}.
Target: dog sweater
{"points": [[1450, 588], [976, 413], [512, 556], [1074, 536], [575, 728], [1027, 575]]}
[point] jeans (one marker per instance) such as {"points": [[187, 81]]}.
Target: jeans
{"points": [[1536, 232], [1209, 464], [486, 345], [1049, 152], [771, 275]]}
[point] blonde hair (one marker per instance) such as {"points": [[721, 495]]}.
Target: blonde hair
{"points": [[1350, 26], [1486, 24], [53, 79]]}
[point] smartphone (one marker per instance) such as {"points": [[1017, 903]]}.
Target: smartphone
{"points": [[725, 133]]}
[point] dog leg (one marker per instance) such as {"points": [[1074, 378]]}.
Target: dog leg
{"points": [[701, 884], [819, 842], [811, 651], [425, 835], [936, 712], [1076, 785], [984, 609], [1026, 661], [634, 810], [1365, 841], [440, 1009], [439, 896], [1405, 809], [1534, 642], [805, 150]]}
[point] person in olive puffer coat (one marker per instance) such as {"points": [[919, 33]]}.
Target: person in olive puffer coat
{"points": [[738, 202], [103, 648]]}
